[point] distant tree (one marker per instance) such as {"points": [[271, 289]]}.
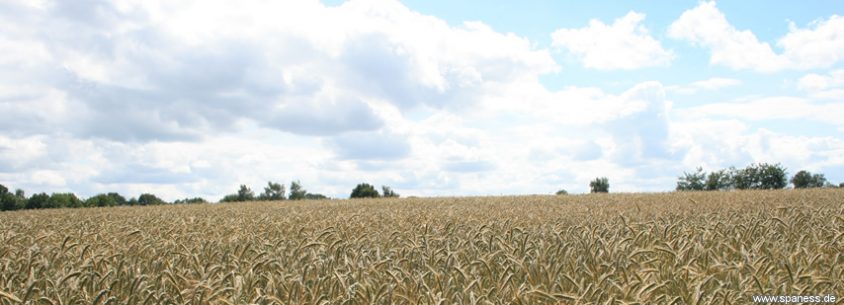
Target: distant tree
{"points": [[719, 180], [273, 191], [65, 200], [692, 181], [230, 198], [38, 201], [841, 185], [364, 190], [388, 192], [106, 200], [132, 201], [8, 201], [149, 199], [772, 176], [804, 179], [600, 185], [245, 193], [310, 196], [20, 194], [296, 191], [562, 192], [190, 201]]}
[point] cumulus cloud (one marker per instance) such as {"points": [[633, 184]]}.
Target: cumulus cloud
{"points": [[624, 44], [818, 46]]}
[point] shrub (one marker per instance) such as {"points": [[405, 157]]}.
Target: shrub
{"points": [[600, 185], [309, 196], [562, 192], [364, 190]]}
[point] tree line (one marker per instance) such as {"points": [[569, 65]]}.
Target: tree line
{"points": [[18, 200], [762, 176], [754, 176]]}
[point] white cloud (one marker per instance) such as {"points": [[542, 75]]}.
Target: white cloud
{"points": [[819, 46], [625, 44], [710, 84], [829, 86]]}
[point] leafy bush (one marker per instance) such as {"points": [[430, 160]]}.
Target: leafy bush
{"points": [[804, 179], [562, 192], [692, 181], [364, 190], [600, 185]]}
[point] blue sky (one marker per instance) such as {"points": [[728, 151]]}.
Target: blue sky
{"points": [[433, 98]]}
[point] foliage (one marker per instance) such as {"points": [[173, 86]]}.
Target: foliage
{"points": [[273, 191], [804, 179], [364, 190], [8, 201], [38, 201], [149, 199], [388, 192], [562, 192], [194, 200], [310, 196], [230, 198], [65, 200], [720, 180], [245, 193], [296, 191], [106, 200], [600, 185], [676, 248], [692, 181], [760, 176]]}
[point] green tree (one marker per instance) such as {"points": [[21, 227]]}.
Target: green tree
{"points": [[38, 201], [149, 199], [364, 190], [804, 179], [245, 193], [273, 191], [695, 181], [296, 191], [106, 200], [388, 192], [311, 196], [562, 192], [230, 198], [8, 201], [65, 200], [600, 185], [719, 180], [190, 201]]}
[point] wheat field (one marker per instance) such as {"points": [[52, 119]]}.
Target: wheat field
{"points": [[687, 248]]}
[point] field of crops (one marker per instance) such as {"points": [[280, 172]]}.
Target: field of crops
{"points": [[692, 248]]}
